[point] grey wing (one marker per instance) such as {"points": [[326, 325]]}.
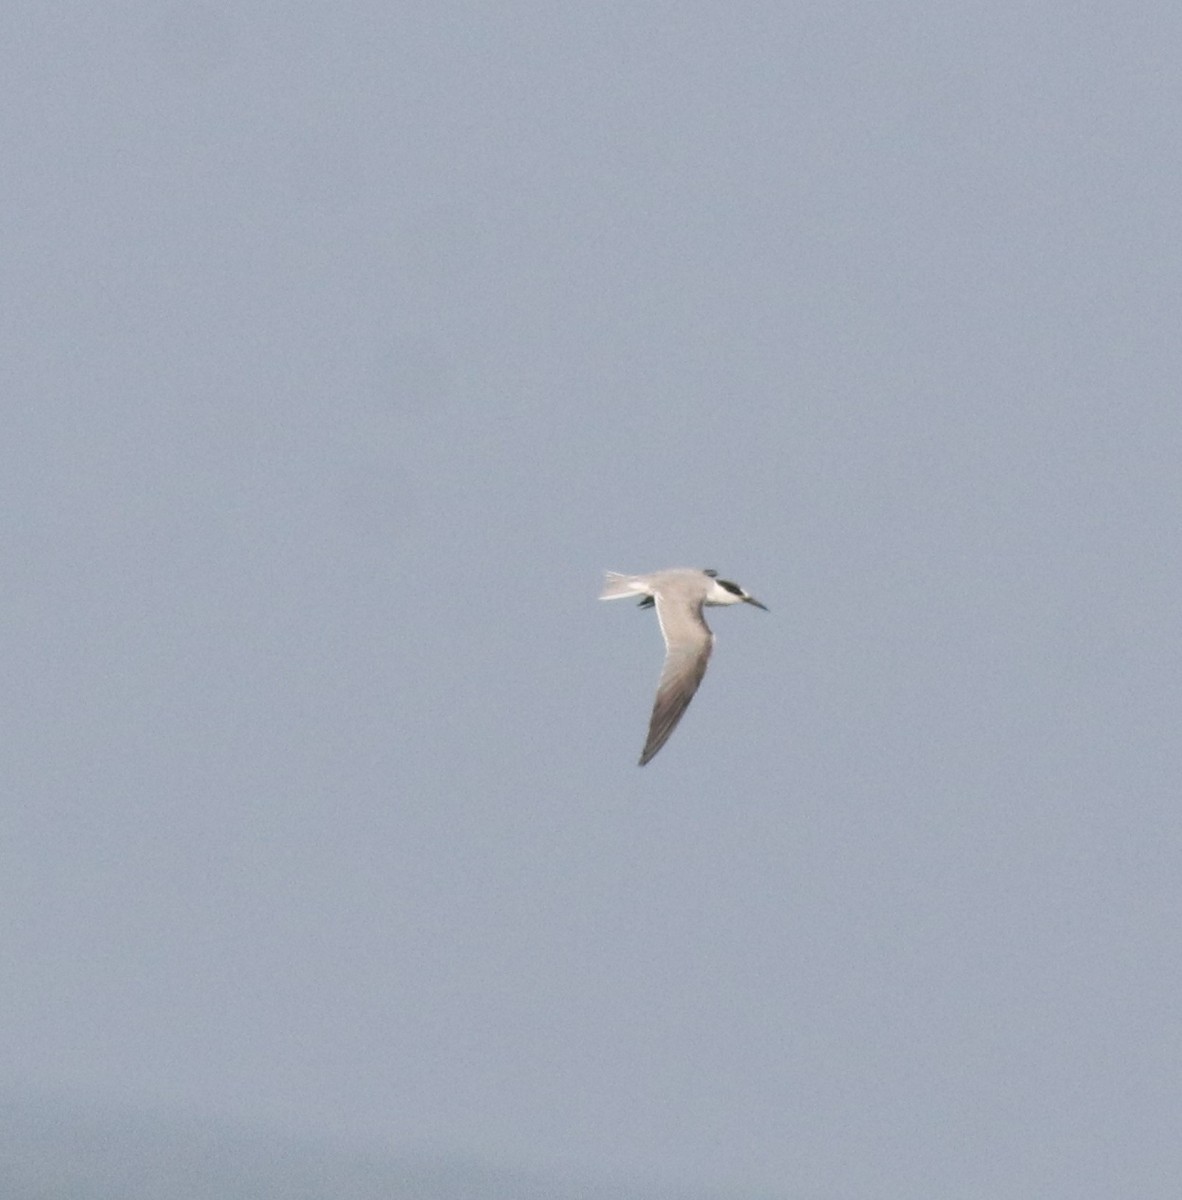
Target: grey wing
{"points": [[689, 643]]}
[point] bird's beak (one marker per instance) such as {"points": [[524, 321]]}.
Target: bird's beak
{"points": [[752, 600]]}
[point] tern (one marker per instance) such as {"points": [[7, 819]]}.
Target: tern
{"points": [[679, 595]]}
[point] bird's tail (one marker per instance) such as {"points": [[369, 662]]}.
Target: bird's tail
{"points": [[616, 586]]}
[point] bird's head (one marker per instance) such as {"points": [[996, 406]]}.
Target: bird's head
{"points": [[723, 591]]}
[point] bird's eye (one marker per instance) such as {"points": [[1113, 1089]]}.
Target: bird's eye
{"points": [[710, 571], [733, 588]]}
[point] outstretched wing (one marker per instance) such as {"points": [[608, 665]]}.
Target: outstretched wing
{"points": [[688, 643]]}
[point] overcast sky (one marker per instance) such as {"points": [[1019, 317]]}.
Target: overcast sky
{"points": [[345, 345]]}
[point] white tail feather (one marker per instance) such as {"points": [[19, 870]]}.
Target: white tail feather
{"points": [[617, 586]]}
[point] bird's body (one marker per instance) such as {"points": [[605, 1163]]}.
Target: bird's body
{"points": [[679, 594]]}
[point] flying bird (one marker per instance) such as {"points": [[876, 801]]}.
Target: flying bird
{"points": [[679, 595]]}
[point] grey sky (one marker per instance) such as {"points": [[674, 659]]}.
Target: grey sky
{"points": [[345, 345]]}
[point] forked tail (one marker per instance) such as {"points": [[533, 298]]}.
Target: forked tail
{"points": [[616, 586]]}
